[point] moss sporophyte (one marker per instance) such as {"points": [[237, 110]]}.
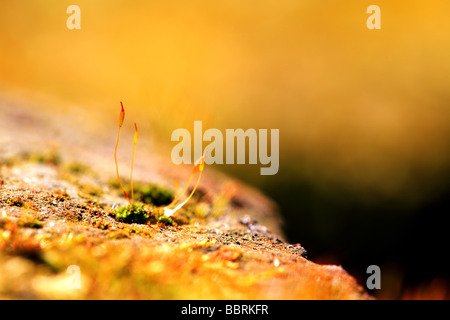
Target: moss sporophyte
{"points": [[136, 213]]}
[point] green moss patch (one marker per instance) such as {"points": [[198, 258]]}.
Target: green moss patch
{"points": [[146, 193], [29, 222], [164, 220], [135, 213]]}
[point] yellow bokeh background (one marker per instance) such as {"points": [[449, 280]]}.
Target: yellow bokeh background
{"points": [[344, 97]]}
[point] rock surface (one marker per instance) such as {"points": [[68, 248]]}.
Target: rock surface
{"points": [[57, 210]]}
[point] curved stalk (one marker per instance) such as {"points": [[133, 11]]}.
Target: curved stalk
{"points": [[121, 118], [198, 167]]}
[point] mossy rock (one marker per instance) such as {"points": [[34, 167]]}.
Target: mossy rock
{"points": [[135, 213], [29, 221], [164, 220]]}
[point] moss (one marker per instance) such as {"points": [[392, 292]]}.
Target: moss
{"points": [[134, 213], [29, 222], [146, 193], [52, 157], [153, 194], [164, 220], [77, 168]]}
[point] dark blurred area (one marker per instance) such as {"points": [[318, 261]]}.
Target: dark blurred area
{"points": [[364, 115], [344, 227], [406, 235]]}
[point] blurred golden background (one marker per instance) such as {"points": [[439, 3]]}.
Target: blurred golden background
{"points": [[364, 115]]}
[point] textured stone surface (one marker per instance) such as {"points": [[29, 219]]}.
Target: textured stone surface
{"points": [[57, 210]]}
